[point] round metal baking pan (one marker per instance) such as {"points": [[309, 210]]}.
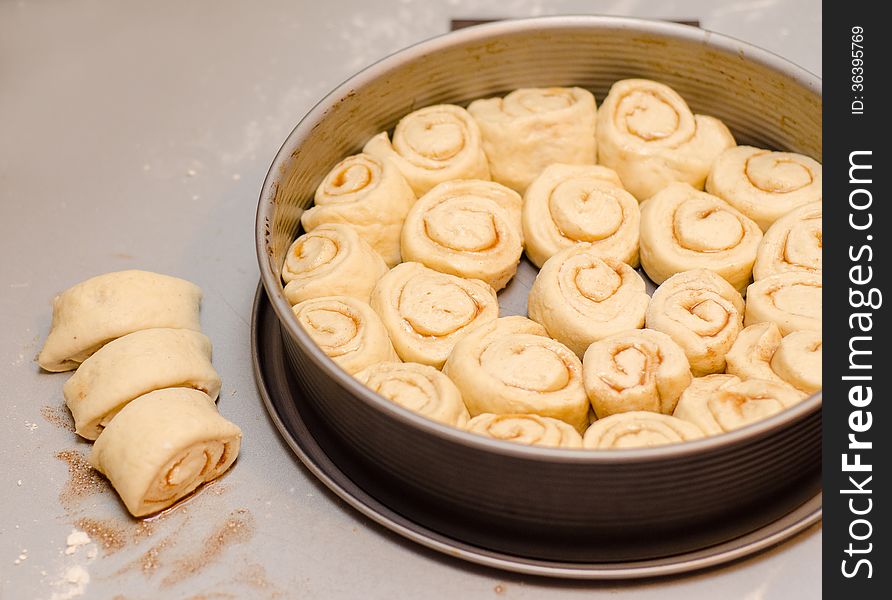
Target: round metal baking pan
{"points": [[302, 429], [571, 506]]}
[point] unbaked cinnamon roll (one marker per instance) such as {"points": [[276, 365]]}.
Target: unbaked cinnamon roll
{"points": [[702, 313], [419, 388], [347, 330], [635, 370], [432, 145], [426, 312], [721, 403], [469, 228], [760, 352], [530, 430], [794, 242], [510, 366], [133, 365], [790, 300], [368, 194], [532, 128], [765, 185], [581, 298], [567, 204], [96, 311], [683, 229], [331, 260], [648, 135], [162, 446], [638, 429]]}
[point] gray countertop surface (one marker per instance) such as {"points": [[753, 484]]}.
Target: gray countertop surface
{"points": [[137, 136]]}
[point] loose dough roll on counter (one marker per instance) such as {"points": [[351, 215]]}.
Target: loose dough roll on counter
{"points": [[368, 194], [133, 365], [720, 403], [648, 135], [531, 128], [702, 313], [102, 308], [760, 352], [683, 229], [347, 330], [419, 388], [432, 145], [331, 260], [638, 429], [765, 185], [469, 228], [426, 312], [162, 446], [567, 204], [638, 370], [794, 242], [530, 430], [581, 298], [510, 366], [791, 300]]}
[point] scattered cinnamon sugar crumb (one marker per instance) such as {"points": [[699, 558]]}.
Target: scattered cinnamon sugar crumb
{"points": [[254, 575], [58, 416], [237, 529], [83, 479], [499, 589], [107, 533]]}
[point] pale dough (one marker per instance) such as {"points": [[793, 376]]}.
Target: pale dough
{"points": [[765, 185], [684, 229], [98, 310], [702, 313], [331, 260], [794, 242], [419, 388], [532, 128], [469, 228], [648, 135], [636, 370], [432, 145], [638, 429], [368, 194], [347, 330], [760, 352], [791, 300], [133, 365], [530, 430], [581, 298], [162, 446]]}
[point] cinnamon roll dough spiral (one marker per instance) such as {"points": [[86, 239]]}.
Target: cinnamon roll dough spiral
{"points": [[638, 429], [760, 352], [794, 242], [331, 260], [162, 446], [791, 300], [720, 403], [103, 308], [530, 430], [683, 229], [426, 312], [532, 128], [638, 370], [567, 204], [368, 194], [765, 185], [510, 366], [419, 388], [133, 365], [702, 313], [469, 228], [347, 330], [432, 145], [648, 135], [580, 298]]}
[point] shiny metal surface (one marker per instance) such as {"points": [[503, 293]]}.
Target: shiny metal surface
{"points": [[640, 504]]}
